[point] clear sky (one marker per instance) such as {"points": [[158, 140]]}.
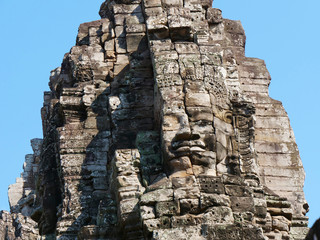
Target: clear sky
{"points": [[35, 34]]}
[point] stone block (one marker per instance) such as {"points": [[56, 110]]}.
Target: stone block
{"points": [[208, 200], [136, 42], [186, 48], [159, 182], [299, 232], [70, 101], [168, 80], [178, 182], [275, 147], [187, 192], [15, 193], [210, 184], [214, 15], [168, 68], [122, 59], [106, 26], [135, 28], [120, 31], [165, 222], [126, 8], [201, 38], [150, 225], [280, 223], [235, 232], [260, 207], [273, 122], [84, 29], [197, 100], [74, 144], [157, 24], [191, 232], [232, 179], [179, 17], [234, 27], [172, 3], [125, 181], [278, 203], [163, 56], [286, 212], [36, 144], [159, 195], [128, 206], [147, 212], [121, 45], [169, 208], [94, 41], [199, 19], [185, 221], [269, 109], [238, 191], [96, 53], [190, 67], [281, 136], [242, 204], [189, 206], [157, 46], [193, 5], [119, 68], [127, 195], [206, 3], [210, 58], [254, 70], [218, 215], [153, 11], [152, 3]]}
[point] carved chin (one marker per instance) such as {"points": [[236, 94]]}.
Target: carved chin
{"points": [[180, 164]]}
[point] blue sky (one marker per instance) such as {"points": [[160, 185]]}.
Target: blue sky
{"points": [[35, 34]]}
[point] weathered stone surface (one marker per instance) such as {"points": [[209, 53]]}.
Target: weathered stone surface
{"points": [[17, 226], [214, 15], [160, 195], [158, 127]]}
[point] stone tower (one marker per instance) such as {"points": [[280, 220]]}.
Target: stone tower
{"points": [[158, 127]]}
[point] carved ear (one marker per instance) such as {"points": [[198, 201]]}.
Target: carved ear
{"points": [[223, 114]]}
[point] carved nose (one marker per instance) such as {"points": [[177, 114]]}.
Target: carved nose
{"points": [[184, 132]]}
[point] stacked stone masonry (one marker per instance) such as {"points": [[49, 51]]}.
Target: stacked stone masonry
{"points": [[157, 126]]}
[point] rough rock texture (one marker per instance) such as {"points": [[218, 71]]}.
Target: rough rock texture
{"points": [[17, 226], [158, 127]]}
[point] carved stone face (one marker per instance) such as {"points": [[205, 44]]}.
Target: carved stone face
{"points": [[188, 137], [193, 101], [190, 148]]}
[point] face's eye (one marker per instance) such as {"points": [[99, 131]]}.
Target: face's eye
{"points": [[203, 114]]}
